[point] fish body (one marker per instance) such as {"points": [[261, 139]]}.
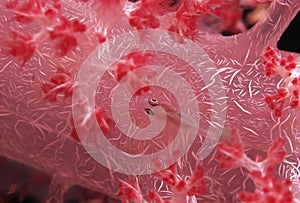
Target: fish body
{"points": [[160, 110]]}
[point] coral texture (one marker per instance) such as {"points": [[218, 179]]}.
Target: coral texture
{"points": [[45, 45]]}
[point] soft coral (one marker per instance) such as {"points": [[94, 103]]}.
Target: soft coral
{"points": [[62, 82], [182, 190], [286, 68], [268, 188], [53, 25]]}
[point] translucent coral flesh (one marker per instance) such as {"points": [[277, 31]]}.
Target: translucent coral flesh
{"points": [[37, 133]]}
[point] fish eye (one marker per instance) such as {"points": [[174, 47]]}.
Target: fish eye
{"points": [[153, 102], [149, 111]]}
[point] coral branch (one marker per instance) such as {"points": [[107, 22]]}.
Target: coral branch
{"points": [[105, 122], [268, 188], [62, 82], [134, 80], [181, 189], [130, 191], [289, 71], [21, 46], [53, 25], [64, 35], [146, 15], [58, 188], [194, 186], [231, 152]]}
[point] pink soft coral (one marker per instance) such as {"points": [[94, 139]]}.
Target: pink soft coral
{"points": [[268, 188], [288, 70], [182, 190]]}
